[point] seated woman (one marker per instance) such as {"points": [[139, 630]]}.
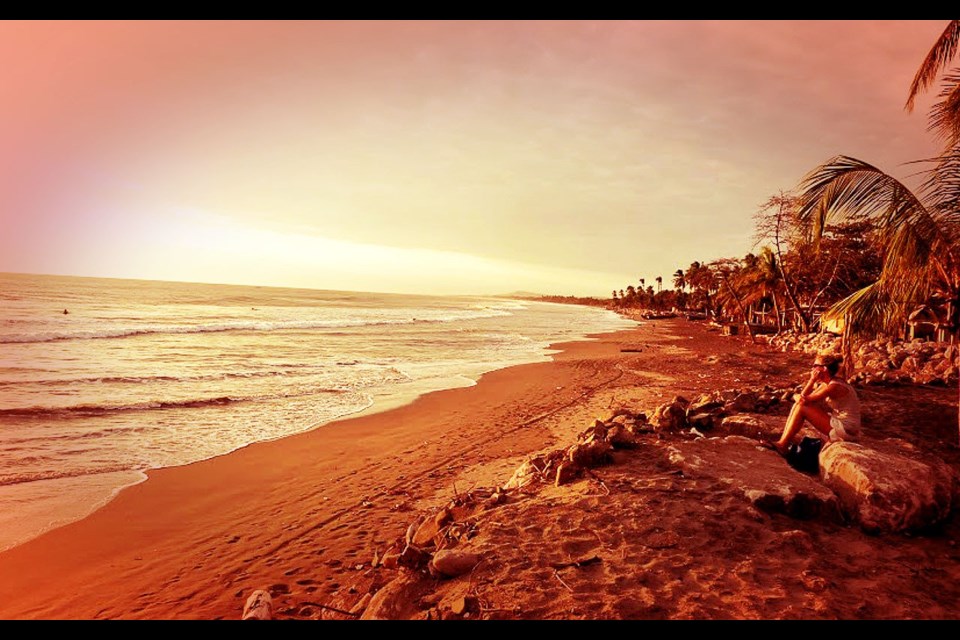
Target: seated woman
{"points": [[827, 402]]}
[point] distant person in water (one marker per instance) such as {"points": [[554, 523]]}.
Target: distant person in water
{"points": [[827, 402]]}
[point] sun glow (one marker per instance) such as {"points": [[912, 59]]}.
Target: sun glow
{"points": [[181, 243]]}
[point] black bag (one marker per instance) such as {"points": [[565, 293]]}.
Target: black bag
{"points": [[805, 455]]}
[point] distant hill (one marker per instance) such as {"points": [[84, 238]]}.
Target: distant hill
{"points": [[593, 302]]}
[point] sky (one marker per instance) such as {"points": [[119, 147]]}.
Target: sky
{"points": [[460, 157]]}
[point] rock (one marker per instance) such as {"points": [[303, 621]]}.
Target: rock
{"points": [[701, 421], [885, 492], [744, 402], [638, 429], [393, 601], [524, 475], [463, 605], [259, 606], [590, 454], [566, 472], [426, 532], [759, 475], [742, 425], [454, 562], [617, 414], [413, 557], [362, 604], [599, 429], [620, 437], [707, 405], [412, 530], [390, 560], [443, 518], [671, 416], [767, 399]]}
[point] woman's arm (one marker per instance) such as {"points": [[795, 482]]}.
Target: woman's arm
{"points": [[829, 390], [806, 390]]}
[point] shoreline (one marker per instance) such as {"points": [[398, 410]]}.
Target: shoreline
{"points": [[379, 400], [99, 535]]}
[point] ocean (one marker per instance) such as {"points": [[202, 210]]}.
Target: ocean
{"points": [[139, 375]]}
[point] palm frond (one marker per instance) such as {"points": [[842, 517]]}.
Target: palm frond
{"points": [[850, 189], [865, 310], [881, 306], [847, 188], [942, 188], [944, 118], [939, 57]]}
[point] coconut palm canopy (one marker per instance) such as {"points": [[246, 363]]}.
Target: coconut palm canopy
{"points": [[919, 230]]}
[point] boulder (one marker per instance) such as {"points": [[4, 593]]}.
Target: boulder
{"points": [[759, 475], [886, 493]]}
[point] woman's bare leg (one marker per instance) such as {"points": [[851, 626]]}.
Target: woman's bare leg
{"points": [[813, 414]]}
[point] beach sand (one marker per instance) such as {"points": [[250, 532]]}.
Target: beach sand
{"points": [[305, 516]]}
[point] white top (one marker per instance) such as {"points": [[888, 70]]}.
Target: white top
{"points": [[845, 409]]}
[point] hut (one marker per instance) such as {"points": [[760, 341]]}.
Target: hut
{"points": [[930, 322]]}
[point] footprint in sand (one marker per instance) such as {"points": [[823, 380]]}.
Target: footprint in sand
{"points": [[577, 548]]}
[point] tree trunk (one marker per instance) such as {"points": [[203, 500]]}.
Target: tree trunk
{"points": [[776, 310], [743, 312], [847, 346]]}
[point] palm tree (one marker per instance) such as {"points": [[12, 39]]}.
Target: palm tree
{"points": [[678, 281], [761, 280], [920, 231]]}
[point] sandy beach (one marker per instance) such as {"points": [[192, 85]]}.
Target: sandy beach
{"points": [[305, 516]]}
